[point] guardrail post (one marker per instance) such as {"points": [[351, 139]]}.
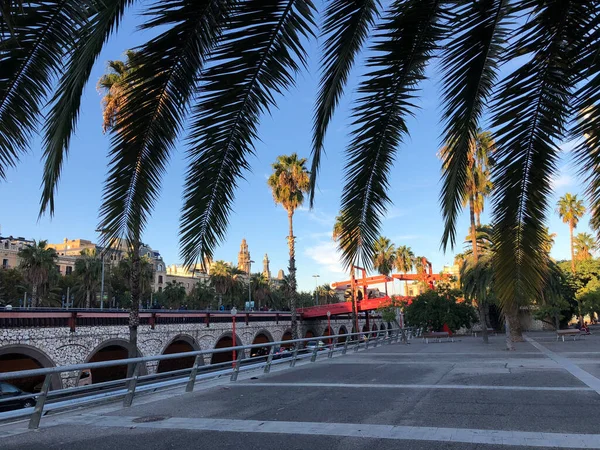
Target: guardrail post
{"points": [[313, 358], [73, 322], [331, 347], [152, 321], [345, 349], [236, 369], [190, 384], [36, 416], [207, 320], [294, 356], [367, 342], [357, 345], [269, 359], [128, 400]]}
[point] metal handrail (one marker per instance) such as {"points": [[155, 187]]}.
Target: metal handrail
{"points": [[329, 343]]}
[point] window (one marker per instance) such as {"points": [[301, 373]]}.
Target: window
{"points": [[6, 244], [160, 280], [69, 270], [58, 268], [159, 268], [9, 389], [5, 263], [160, 289]]}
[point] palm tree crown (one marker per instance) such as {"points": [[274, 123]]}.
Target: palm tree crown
{"points": [[385, 254], [37, 262], [88, 270], [585, 245], [570, 209]]}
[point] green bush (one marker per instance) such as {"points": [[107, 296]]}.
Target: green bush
{"points": [[433, 309]]}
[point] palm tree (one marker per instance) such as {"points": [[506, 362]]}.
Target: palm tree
{"points": [[570, 209], [220, 278], [88, 272], [219, 69], [476, 279], [114, 86], [261, 288], [342, 244], [585, 244], [404, 261], [288, 183], [478, 184], [383, 259], [326, 293], [37, 262]]}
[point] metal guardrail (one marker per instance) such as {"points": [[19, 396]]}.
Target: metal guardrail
{"points": [[297, 351]]}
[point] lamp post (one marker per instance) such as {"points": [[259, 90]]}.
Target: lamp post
{"points": [[249, 283], [329, 326], [102, 231], [316, 277], [233, 313]]}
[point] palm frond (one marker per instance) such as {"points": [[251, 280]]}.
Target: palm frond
{"points": [[157, 97], [587, 113], [403, 44], [63, 115], [30, 58], [531, 114], [470, 68], [258, 57], [347, 24]]}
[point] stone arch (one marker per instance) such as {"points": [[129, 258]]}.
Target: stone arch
{"points": [[261, 337], [310, 333], [287, 336], [25, 357], [179, 344], [223, 341], [342, 330], [374, 330], [328, 332], [365, 328], [111, 349]]}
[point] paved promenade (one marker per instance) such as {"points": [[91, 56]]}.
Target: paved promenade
{"points": [[460, 395]]}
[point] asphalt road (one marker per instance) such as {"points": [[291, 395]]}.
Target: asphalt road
{"points": [[460, 395]]}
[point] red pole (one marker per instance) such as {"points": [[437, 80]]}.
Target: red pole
{"points": [[233, 318], [329, 327]]}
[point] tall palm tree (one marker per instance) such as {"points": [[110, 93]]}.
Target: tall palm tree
{"points": [[88, 273], [261, 288], [383, 259], [404, 262], [114, 87], [219, 66], [37, 262], [585, 244], [337, 238], [220, 278], [570, 209], [326, 293], [289, 183], [478, 184]]}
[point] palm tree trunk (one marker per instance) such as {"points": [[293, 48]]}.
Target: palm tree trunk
{"points": [[134, 310], [87, 299], [34, 295], [480, 307], [514, 326], [292, 269], [478, 219], [572, 248]]}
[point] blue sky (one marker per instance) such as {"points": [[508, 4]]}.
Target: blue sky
{"points": [[414, 219]]}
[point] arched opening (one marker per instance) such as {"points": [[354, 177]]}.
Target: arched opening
{"points": [[374, 329], [309, 334], [342, 330], [262, 337], [287, 336], [365, 329], [328, 331], [24, 357], [382, 331], [180, 344], [108, 351], [225, 341], [389, 327]]}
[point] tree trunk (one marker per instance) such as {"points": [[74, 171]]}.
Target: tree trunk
{"points": [[478, 219], [509, 342], [486, 308], [292, 269], [34, 296], [134, 311], [482, 321], [512, 318], [572, 248], [87, 299]]}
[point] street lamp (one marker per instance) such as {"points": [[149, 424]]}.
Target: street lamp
{"points": [[329, 326], [233, 314], [249, 282], [316, 277], [101, 231]]}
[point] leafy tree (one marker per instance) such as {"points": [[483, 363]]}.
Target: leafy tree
{"points": [[225, 280], [383, 259], [585, 244], [477, 281], [326, 294], [172, 296], [289, 182], [201, 296], [12, 286], [37, 262], [88, 274], [570, 209], [433, 309], [557, 303], [260, 287]]}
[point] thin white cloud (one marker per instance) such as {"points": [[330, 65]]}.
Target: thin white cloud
{"points": [[326, 256], [561, 181], [406, 237], [394, 212], [318, 216]]}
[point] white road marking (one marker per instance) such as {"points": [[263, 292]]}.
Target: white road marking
{"points": [[415, 386], [362, 430], [568, 365]]}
